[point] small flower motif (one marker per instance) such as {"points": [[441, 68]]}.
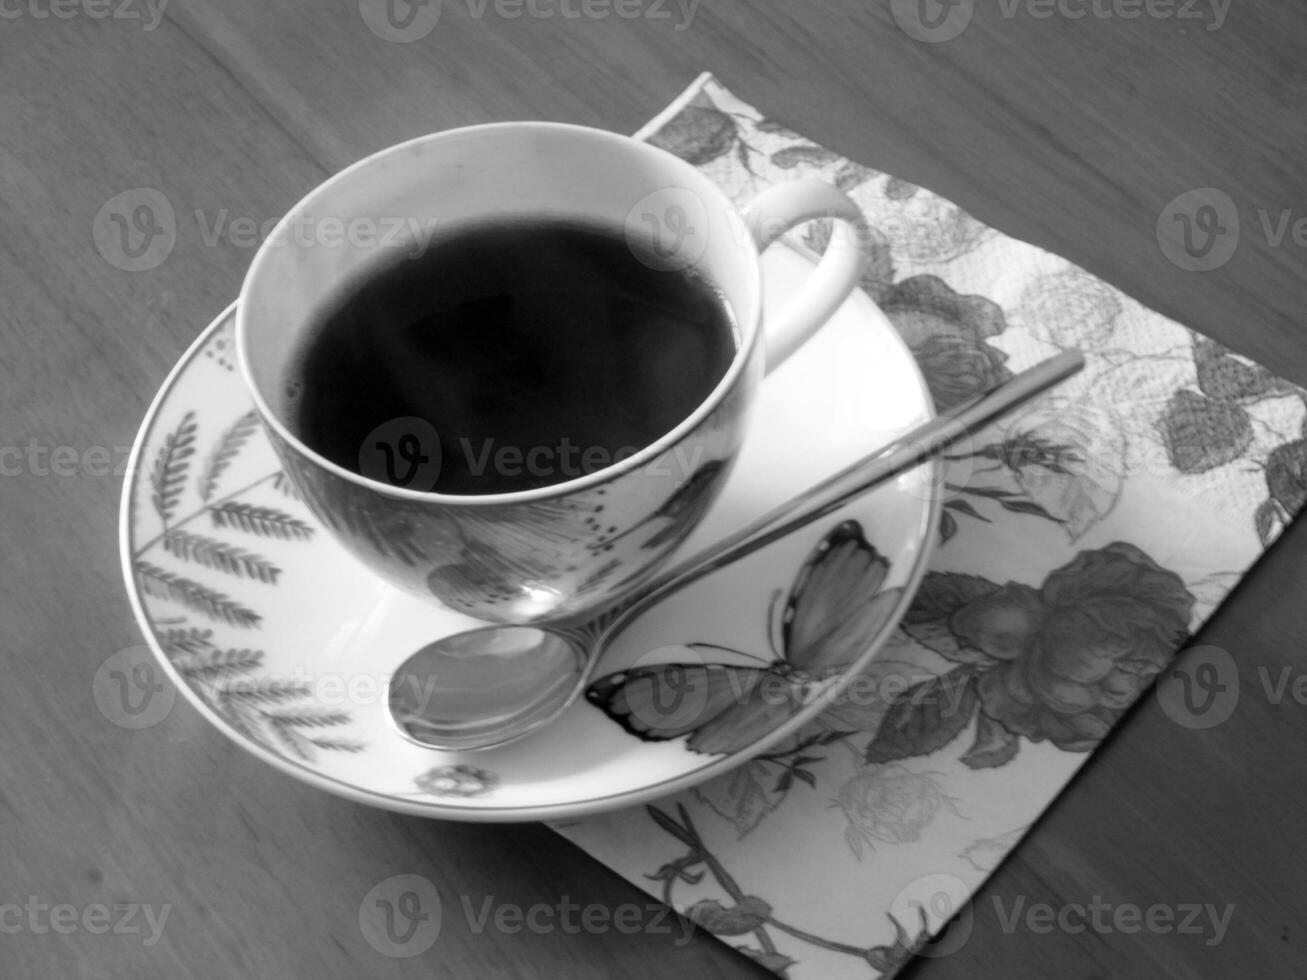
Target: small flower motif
{"points": [[460, 781], [890, 804], [922, 226], [1071, 308]]}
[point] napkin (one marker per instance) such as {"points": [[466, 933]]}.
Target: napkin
{"points": [[1083, 540]]}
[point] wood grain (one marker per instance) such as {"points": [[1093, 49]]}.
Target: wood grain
{"points": [[1073, 134]]}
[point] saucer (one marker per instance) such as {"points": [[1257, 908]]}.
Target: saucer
{"points": [[287, 644]]}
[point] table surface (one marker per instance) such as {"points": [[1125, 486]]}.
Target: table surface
{"points": [[1073, 132]]}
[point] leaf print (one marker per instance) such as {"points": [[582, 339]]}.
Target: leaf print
{"points": [[187, 640], [163, 584], [926, 717], [671, 826], [944, 593], [283, 485], [218, 555], [289, 739], [229, 446], [897, 189], [851, 176], [1286, 476], [266, 522], [1082, 485], [1201, 434], [171, 465], [308, 718], [938, 638], [744, 797], [214, 665], [964, 507], [700, 134], [773, 128], [948, 527], [1270, 521], [264, 709], [268, 690], [986, 855], [1286, 479], [803, 155], [346, 745], [743, 918], [994, 746], [1224, 376], [947, 333], [290, 730], [1028, 507]]}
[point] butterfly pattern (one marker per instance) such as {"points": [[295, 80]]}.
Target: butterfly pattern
{"points": [[836, 608]]}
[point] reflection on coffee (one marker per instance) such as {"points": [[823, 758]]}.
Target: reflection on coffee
{"points": [[537, 351]]}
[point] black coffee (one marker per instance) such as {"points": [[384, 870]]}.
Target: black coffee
{"points": [[538, 352]]}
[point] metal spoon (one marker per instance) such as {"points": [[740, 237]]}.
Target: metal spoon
{"points": [[487, 687]]}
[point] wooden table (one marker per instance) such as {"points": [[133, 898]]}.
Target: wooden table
{"points": [[1073, 133]]}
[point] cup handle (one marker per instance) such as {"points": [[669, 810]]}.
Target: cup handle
{"points": [[774, 212]]}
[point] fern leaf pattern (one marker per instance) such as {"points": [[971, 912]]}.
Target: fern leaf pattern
{"points": [[171, 466], [266, 691], [227, 449], [308, 718], [214, 664], [337, 744], [278, 713], [219, 555], [190, 641], [271, 711], [281, 483], [163, 584], [266, 522]]}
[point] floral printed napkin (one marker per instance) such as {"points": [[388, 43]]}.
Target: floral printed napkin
{"points": [[1082, 541]]}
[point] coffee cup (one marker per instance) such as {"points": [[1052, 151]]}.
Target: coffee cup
{"points": [[586, 524]]}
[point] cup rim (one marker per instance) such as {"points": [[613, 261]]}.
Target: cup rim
{"points": [[750, 332]]}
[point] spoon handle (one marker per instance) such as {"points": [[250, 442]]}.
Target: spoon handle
{"points": [[901, 455]]}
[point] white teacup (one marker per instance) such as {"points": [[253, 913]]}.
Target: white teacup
{"points": [[536, 554]]}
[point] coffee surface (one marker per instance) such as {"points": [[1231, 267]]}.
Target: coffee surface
{"points": [[535, 352]]}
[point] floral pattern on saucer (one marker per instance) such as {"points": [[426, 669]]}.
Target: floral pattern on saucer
{"points": [[206, 540]]}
